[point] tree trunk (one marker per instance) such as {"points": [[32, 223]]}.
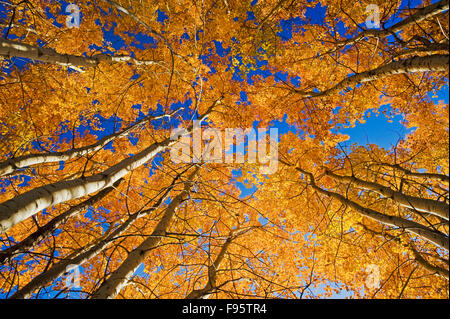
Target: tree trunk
{"points": [[436, 237], [441, 177], [25, 205], [89, 251], [119, 278], [42, 232], [431, 206], [435, 62], [206, 291], [19, 208], [420, 15]]}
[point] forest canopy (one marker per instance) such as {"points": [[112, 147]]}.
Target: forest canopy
{"points": [[224, 149]]}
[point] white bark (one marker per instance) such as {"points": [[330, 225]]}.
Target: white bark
{"points": [[422, 14], [210, 286], [120, 277], [435, 62], [19, 208], [43, 231], [441, 177], [89, 251], [78, 258], [435, 237]]}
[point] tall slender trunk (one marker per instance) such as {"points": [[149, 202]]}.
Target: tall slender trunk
{"points": [[210, 286], [11, 166], [10, 48], [441, 177], [433, 236], [120, 277], [25, 205], [19, 208], [431, 206], [435, 62], [89, 251], [420, 15], [42, 232], [417, 256]]}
